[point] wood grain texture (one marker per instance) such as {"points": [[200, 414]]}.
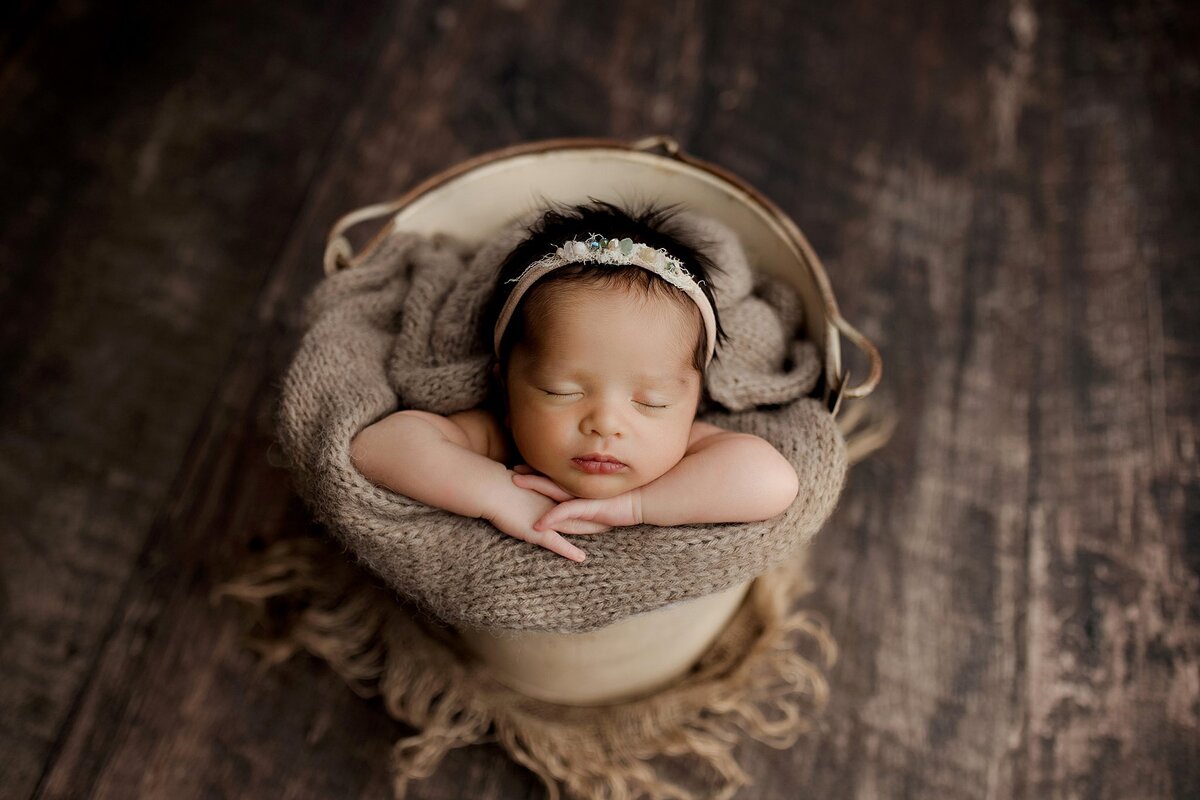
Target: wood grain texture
{"points": [[151, 175], [1003, 194]]}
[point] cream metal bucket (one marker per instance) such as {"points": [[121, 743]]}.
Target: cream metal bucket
{"points": [[473, 199]]}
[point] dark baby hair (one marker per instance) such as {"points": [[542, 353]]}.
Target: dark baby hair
{"points": [[651, 224]]}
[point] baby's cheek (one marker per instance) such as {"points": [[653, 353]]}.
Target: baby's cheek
{"points": [[548, 463]]}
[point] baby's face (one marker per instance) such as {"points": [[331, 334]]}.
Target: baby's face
{"points": [[612, 375]]}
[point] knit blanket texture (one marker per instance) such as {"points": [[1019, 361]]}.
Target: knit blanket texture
{"points": [[401, 330]]}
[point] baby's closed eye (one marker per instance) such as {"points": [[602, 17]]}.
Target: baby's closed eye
{"points": [[646, 404]]}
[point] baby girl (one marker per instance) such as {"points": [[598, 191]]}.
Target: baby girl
{"points": [[601, 344]]}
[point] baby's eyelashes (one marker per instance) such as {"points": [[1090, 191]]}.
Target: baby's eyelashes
{"points": [[572, 394]]}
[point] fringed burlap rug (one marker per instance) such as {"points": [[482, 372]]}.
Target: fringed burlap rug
{"points": [[752, 681]]}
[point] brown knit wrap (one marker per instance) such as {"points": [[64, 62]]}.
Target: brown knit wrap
{"points": [[400, 331]]}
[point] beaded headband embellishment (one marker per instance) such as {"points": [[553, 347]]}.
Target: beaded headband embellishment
{"points": [[601, 250]]}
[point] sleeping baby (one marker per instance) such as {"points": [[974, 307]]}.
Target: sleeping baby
{"points": [[601, 344]]}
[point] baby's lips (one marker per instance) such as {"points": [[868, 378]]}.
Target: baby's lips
{"points": [[603, 459]]}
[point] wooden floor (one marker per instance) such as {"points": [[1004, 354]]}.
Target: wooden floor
{"points": [[1005, 197]]}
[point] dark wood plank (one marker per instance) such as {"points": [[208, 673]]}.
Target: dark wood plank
{"points": [[20, 21], [1014, 579], [1001, 193], [150, 175]]}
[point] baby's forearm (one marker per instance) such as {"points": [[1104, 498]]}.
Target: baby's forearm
{"points": [[736, 478], [411, 457]]}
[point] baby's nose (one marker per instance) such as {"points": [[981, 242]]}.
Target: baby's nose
{"points": [[604, 421]]}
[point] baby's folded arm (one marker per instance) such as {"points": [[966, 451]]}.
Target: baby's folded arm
{"points": [[444, 462], [728, 477], [432, 459]]}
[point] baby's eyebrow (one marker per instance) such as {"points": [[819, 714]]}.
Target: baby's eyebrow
{"points": [[664, 380]]}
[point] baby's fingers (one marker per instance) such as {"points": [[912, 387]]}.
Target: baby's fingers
{"points": [[542, 485], [555, 543], [582, 526], [578, 510]]}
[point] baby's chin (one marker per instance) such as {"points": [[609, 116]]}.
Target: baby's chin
{"points": [[601, 487], [598, 492]]}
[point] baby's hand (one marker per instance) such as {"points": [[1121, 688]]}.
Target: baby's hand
{"points": [[623, 509], [520, 509]]}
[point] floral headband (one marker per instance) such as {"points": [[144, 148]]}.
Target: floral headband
{"points": [[600, 250]]}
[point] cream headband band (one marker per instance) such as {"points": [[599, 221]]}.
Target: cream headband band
{"points": [[598, 249]]}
